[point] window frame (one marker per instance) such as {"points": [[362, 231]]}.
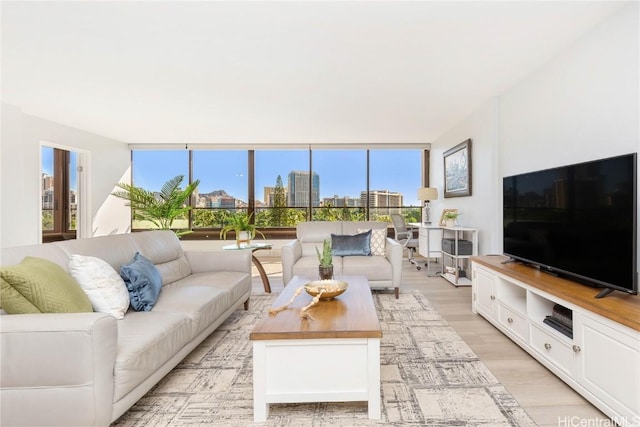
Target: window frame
{"points": [[62, 187], [286, 232]]}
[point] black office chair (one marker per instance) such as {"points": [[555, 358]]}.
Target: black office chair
{"points": [[404, 236]]}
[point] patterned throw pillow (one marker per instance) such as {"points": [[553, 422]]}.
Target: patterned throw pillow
{"points": [[102, 284], [37, 285], [378, 240]]}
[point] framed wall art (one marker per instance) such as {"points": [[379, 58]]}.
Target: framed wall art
{"points": [[457, 170]]}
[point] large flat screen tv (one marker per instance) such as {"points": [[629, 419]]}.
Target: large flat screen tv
{"points": [[576, 221]]}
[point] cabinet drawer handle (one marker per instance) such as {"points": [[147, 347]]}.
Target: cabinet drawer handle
{"points": [[576, 349], [493, 297], [509, 319], [547, 346]]}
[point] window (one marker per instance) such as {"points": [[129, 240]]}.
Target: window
{"points": [[283, 187], [394, 179], [151, 169], [59, 175], [223, 187], [275, 172], [342, 186]]}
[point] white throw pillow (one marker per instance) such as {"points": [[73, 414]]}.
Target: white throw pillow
{"points": [[378, 240], [102, 284]]}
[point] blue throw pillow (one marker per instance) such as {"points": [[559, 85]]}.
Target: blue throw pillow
{"points": [[143, 282], [360, 244]]}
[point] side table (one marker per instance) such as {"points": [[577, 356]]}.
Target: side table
{"points": [[254, 247]]}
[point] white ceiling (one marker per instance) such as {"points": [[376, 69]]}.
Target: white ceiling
{"points": [[276, 72]]}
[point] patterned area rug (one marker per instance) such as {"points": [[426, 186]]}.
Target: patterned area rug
{"points": [[429, 377]]}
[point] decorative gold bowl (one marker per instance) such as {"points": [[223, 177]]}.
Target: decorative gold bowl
{"points": [[332, 288]]}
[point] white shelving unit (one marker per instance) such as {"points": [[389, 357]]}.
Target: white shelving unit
{"points": [[459, 264], [601, 361]]}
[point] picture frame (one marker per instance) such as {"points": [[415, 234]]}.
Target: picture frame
{"points": [[457, 170], [443, 221]]}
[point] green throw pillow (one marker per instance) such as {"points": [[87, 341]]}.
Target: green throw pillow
{"points": [[37, 285]]}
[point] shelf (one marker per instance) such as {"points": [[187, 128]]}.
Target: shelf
{"points": [[457, 256], [462, 281], [511, 295], [459, 262]]}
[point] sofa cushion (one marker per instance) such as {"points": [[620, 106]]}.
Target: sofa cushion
{"points": [[311, 234], [163, 249], [146, 341], [344, 245], [202, 304], [37, 285], [307, 267], [143, 282], [374, 267], [116, 249], [378, 240], [236, 283], [102, 284]]}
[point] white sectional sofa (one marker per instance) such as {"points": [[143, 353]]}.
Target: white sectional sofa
{"points": [[87, 369], [299, 256]]}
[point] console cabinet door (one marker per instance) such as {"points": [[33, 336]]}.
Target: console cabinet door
{"points": [[484, 293], [608, 364]]}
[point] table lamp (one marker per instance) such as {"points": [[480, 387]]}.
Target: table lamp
{"points": [[426, 194]]}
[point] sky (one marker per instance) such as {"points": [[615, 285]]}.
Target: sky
{"points": [[341, 172], [47, 165]]}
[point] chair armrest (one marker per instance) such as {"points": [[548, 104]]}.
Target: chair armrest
{"points": [[404, 235], [290, 253], [57, 369], [207, 261], [393, 252]]}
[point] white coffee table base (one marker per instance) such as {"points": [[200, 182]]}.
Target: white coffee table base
{"points": [[316, 370]]}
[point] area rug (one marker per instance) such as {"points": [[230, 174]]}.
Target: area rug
{"points": [[429, 377]]}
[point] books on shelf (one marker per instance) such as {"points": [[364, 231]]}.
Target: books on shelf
{"points": [[561, 319]]}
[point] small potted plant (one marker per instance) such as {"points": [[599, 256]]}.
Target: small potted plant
{"points": [[240, 223], [450, 218], [325, 259]]}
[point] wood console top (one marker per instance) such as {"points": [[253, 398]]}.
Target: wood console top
{"points": [[350, 315], [617, 306]]}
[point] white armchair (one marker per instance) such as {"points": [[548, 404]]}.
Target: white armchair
{"points": [[299, 256]]}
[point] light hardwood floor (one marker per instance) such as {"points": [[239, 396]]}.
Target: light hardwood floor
{"points": [[547, 399]]}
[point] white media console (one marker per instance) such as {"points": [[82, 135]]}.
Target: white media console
{"points": [[601, 360]]}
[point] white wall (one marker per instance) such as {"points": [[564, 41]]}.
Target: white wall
{"points": [[478, 210], [582, 105], [20, 175]]}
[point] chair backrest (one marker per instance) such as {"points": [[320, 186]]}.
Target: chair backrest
{"points": [[399, 223]]}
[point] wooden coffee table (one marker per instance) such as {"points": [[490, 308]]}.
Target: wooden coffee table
{"points": [[333, 358]]}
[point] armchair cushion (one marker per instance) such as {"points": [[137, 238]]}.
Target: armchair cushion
{"points": [[37, 285], [343, 245]]}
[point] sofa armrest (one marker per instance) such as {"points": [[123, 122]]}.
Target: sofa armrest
{"points": [[393, 252], [290, 253], [207, 261], [57, 369]]}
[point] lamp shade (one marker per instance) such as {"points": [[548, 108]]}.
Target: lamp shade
{"points": [[427, 193]]}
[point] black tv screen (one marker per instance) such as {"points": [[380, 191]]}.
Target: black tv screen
{"points": [[577, 221]]}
